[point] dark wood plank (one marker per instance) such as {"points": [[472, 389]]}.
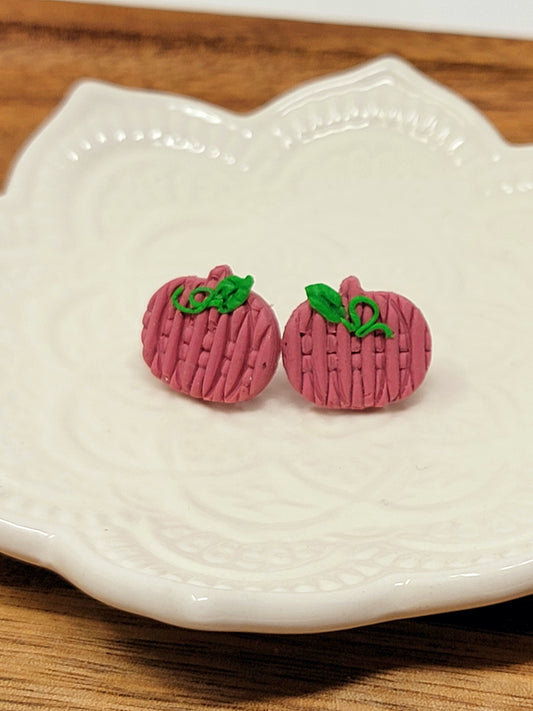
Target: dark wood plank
{"points": [[60, 649], [235, 62]]}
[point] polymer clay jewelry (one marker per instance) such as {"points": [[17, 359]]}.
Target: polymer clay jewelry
{"points": [[212, 338], [354, 349]]}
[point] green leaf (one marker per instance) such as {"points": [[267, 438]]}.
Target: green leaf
{"points": [[231, 293], [326, 301]]}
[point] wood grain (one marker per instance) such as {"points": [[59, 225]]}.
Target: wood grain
{"points": [[238, 63], [62, 650]]}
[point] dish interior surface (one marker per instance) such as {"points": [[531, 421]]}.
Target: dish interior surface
{"points": [[271, 515]]}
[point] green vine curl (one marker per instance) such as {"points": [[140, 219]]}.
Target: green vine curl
{"points": [[230, 293], [328, 303]]}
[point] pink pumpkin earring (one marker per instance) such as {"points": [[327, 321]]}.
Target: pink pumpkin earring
{"points": [[354, 349], [212, 338]]}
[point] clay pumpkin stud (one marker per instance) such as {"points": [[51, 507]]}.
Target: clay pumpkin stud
{"points": [[354, 349], [212, 338]]}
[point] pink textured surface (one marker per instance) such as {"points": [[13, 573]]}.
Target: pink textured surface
{"points": [[333, 368], [217, 357]]}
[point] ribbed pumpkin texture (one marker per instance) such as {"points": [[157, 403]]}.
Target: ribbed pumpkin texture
{"points": [[331, 367], [219, 357]]}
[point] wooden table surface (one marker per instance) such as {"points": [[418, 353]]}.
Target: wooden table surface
{"points": [[60, 649]]}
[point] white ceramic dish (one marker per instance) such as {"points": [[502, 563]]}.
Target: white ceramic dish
{"points": [[270, 516]]}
